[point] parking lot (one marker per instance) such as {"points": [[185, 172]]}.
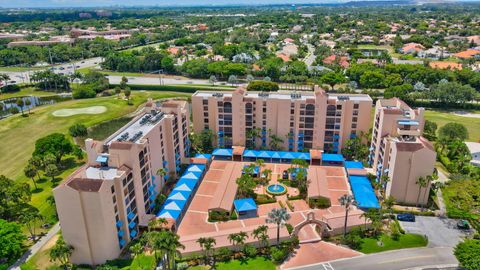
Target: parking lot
{"points": [[441, 232]]}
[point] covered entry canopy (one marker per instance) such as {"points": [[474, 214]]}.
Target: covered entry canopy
{"points": [[363, 192]]}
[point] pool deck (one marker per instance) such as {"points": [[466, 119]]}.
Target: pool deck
{"points": [[195, 223]]}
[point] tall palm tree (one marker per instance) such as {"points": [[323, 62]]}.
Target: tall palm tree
{"points": [[61, 252], [260, 163], [346, 201], [261, 234], [136, 249], [207, 244], [170, 246], [31, 171], [388, 203], [422, 183], [278, 216]]}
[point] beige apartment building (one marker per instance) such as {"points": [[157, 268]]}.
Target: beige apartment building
{"points": [[103, 205], [288, 120], [399, 150]]}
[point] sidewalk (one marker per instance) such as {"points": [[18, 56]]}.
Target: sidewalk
{"points": [[35, 248]]}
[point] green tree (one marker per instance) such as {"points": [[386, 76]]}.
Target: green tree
{"points": [[203, 142], [127, 94], [246, 184], [13, 197], [354, 149], [346, 201], [51, 170], [261, 234], [78, 130], [430, 130], [467, 254], [61, 252], [11, 241], [452, 131], [56, 144], [20, 103], [31, 171], [30, 217], [136, 249], [279, 217], [238, 239], [333, 78], [207, 244]]}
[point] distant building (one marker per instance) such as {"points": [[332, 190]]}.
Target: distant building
{"points": [[399, 150], [103, 205], [434, 53], [333, 59], [470, 53], [411, 48], [85, 15], [445, 65], [474, 149], [474, 39]]}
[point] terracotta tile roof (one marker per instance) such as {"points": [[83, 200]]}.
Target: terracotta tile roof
{"points": [[227, 187], [342, 60], [283, 56], [318, 184], [467, 54], [85, 184], [412, 46], [445, 65]]}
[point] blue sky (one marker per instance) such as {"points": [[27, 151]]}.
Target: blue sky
{"points": [[93, 3]]}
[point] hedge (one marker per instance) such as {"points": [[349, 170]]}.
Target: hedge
{"points": [[173, 88]]}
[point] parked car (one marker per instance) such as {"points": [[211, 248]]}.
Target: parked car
{"points": [[406, 217], [285, 175], [462, 224]]}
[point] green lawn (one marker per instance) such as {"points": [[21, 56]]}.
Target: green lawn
{"points": [[444, 117], [18, 135], [27, 91], [19, 69], [257, 263], [370, 245]]}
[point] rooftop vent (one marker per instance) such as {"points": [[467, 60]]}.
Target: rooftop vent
{"points": [[263, 94], [343, 98], [217, 95], [136, 136], [295, 95], [124, 137]]}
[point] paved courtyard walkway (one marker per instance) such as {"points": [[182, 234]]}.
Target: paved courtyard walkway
{"points": [[317, 252]]}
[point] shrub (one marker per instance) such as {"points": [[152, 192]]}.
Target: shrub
{"points": [[182, 266], [290, 206], [13, 110], [250, 251], [78, 130], [354, 238], [264, 199], [278, 254], [467, 254], [224, 254], [11, 88], [83, 91], [289, 228], [214, 216], [320, 202], [262, 86], [394, 231]]}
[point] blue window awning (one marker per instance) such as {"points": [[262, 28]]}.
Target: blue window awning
{"points": [[332, 157], [102, 159], [242, 205], [408, 122]]}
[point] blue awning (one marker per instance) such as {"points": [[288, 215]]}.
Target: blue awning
{"points": [[198, 168], [408, 122], [332, 157], [207, 156], [179, 195], [184, 186], [242, 205], [265, 154], [191, 175], [250, 154], [363, 192], [169, 214], [353, 165], [222, 152], [174, 205], [102, 159]]}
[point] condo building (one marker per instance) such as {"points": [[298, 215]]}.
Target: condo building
{"points": [[288, 120], [104, 204], [399, 151]]}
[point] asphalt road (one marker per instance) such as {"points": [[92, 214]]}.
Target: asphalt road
{"points": [[414, 258]]}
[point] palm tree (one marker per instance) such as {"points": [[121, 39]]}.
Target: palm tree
{"points": [[264, 180], [422, 183], [207, 244], [170, 245], [237, 239], [260, 163], [388, 203], [157, 224], [261, 234], [278, 216], [384, 179], [346, 201], [31, 171], [136, 249], [61, 252], [20, 103], [30, 216], [245, 185]]}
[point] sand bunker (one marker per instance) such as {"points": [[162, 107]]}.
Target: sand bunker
{"points": [[86, 110]]}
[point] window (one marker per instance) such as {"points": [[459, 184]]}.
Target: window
{"points": [[355, 106], [227, 107]]}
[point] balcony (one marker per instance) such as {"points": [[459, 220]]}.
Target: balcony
{"points": [[408, 131]]}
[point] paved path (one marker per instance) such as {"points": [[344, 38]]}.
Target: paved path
{"points": [[310, 57], [36, 247], [413, 258]]}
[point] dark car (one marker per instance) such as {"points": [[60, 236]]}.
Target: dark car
{"points": [[463, 225], [285, 175], [406, 217]]}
